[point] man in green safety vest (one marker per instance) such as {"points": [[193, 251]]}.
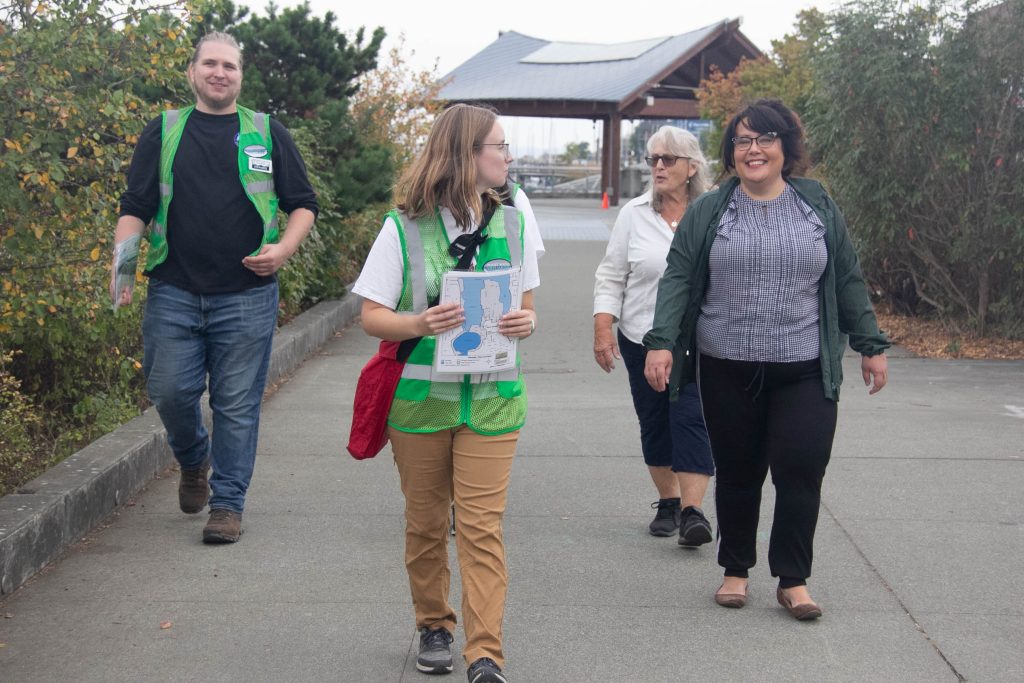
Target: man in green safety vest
{"points": [[208, 180]]}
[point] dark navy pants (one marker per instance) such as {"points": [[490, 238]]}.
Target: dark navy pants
{"points": [[672, 433]]}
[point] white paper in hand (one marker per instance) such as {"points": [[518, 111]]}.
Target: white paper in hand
{"points": [[477, 346], [126, 262]]}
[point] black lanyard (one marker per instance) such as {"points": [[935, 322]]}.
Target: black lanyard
{"points": [[464, 247]]}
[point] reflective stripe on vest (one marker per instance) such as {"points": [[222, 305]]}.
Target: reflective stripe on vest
{"points": [[417, 265], [515, 249], [254, 130], [259, 122], [427, 400], [426, 372]]}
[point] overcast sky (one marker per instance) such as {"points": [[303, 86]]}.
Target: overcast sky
{"points": [[449, 32]]}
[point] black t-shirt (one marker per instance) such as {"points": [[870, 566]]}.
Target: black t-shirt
{"points": [[211, 224]]}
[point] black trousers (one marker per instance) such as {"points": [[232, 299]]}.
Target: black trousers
{"points": [[761, 417]]}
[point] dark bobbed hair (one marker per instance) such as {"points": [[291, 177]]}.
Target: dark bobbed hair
{"points": [[767, 116]]}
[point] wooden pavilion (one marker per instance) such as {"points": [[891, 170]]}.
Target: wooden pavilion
{"points": [[647, 79]]}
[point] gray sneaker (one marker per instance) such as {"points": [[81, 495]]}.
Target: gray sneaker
{"points": [[485, 670], [435, 656], [695, 529], [667, 519]]}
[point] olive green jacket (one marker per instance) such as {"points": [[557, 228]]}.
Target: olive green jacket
{"points": [[844, 308]]}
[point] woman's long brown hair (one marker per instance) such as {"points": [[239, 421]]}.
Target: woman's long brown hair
{"points": [[444, 173]]}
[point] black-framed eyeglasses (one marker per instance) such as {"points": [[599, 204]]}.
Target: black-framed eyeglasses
{"points": [[764, 140], [503, 147], [669, 160]]}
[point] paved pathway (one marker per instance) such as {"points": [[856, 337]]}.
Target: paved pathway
{"points": [[918, 566]]}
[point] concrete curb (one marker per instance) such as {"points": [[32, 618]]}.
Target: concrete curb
{"points": [[60, 506]]}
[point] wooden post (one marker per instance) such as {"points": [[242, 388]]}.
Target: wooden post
{"points": [[605, 147], [611, 151], [615, 157]]}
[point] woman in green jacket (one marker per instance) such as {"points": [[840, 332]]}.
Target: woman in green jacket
{"points": [[761, 290]]}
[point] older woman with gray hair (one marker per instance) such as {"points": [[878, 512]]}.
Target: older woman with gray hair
{"points": [[673, 438]]}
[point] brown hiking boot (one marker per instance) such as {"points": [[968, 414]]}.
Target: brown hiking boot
{"points": [[194, 489], [225, 526]]}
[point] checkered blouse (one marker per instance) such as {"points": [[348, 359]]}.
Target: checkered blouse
{"points": [[762, 298]]}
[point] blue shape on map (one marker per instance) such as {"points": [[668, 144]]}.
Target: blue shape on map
{"points": [[504, 296], [472, 296], [474, 311], [466, 342]]}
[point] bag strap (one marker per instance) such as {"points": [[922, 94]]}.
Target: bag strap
{"points": [[405, 348]]}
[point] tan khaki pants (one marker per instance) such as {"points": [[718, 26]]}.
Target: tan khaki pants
{"points": [[474, 470]]}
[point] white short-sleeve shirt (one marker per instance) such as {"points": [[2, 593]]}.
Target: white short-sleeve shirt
{"points": [[626, 282], [381, 278], [532, 229]]}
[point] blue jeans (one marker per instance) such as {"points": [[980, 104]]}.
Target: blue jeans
{"points": [[228, 337]]}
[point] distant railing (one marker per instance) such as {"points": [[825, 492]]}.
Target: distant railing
{"points": [[571, 180]]}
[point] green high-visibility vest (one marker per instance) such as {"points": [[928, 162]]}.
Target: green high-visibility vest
{"points": [[254, 143], [429, 401]]}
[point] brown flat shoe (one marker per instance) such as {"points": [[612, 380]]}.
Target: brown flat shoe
{"points": [[801, 612], [733, 600]]}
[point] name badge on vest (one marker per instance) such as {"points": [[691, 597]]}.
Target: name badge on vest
{"points": [[496, 264], [261, 165]]}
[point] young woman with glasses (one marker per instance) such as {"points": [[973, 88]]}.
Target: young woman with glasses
{"points": [[673, 439], [453, 435], [762, 284]]}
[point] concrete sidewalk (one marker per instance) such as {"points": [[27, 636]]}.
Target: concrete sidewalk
{"points": [[919, 548]]}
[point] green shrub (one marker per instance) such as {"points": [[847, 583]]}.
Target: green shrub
{"points": [[70, 368], [19, 453], [919, 119]]}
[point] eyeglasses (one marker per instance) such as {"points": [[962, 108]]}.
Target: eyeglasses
{"points": [[764, 140], [669, 160], [502, 146]]}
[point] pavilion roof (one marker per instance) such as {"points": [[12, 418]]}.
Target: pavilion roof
{"points": [[520, 67]]}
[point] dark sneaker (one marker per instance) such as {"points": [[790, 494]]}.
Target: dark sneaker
{"points": [[485, 670], [695, 529], [194, 489], [435, 655], [668, 518], [225, 526]]}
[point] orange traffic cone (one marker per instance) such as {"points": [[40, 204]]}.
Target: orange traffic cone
{"points": [[604, 201]]}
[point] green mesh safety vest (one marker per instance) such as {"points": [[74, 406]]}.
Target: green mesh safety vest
{"points": [[254, 136], [428, 401]]}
